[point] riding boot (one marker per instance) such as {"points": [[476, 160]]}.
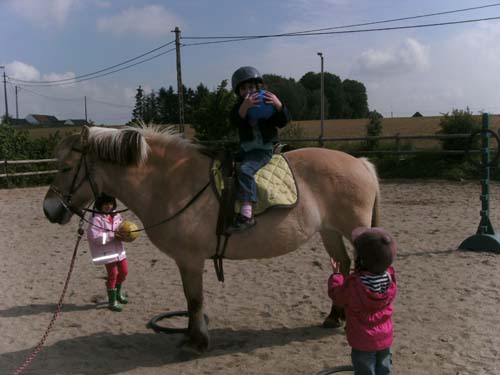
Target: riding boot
{"points": [[113, 304], [119, 296]]}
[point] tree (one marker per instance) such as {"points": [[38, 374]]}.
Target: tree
{"points": [[168, 106], [374, 129], [356, 99], [333, 90], [150, 108], [138, 111], [211, 119], [293, 94], [459, 122]]}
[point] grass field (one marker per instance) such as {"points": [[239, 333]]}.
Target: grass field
{"points": [[404, 126]]}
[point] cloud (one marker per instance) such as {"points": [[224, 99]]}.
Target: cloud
{"points": [[46, 12], [149, 21], [20, 70], [109, 104], [411, 56]]}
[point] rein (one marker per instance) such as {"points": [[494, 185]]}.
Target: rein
{"points": [[65, 198], [37, 349], [196, 196]]}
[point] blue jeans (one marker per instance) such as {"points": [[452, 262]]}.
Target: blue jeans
{"points": [[372, 363], [251, 162]]}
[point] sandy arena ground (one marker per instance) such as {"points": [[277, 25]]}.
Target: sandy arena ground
{"points": [[266, 318]]}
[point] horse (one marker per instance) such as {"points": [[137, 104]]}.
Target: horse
{"points": [[162, 178]]}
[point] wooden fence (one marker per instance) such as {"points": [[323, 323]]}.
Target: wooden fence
{"points": [[398, 150]]}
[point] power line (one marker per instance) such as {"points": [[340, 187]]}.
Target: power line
{"points": [[98, 71], [71, 99], [45, 96], [100, 75], [239, 38], [345, 26], [110, 104]]}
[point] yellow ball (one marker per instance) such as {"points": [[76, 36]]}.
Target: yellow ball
{"points": [[126, 229]]}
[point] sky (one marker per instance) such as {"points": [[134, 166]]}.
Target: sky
{"points": [[432, 70]]}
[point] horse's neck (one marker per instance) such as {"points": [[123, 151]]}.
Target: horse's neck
{"points": [[163, 185]]}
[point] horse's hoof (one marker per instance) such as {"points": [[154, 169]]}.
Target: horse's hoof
{"points": [[332, 323], [192, 350]]}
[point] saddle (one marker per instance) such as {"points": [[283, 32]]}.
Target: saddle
{"points": [[276, 187]]}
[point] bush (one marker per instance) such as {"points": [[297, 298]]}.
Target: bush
{"points": [[459, 122], [17, 145], [373, 129]]}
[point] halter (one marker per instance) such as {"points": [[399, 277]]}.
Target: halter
{"points": [[65, 198]]}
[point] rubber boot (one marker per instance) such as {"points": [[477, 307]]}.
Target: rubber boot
{"points": [[119, 296], [113, 304]]}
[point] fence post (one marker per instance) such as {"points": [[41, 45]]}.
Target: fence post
{"points": [[5, 171], [398, 146]]}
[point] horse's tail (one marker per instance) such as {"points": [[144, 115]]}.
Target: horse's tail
{"points": [[375, 210]]}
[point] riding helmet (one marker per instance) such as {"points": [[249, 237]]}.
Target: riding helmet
{"points": [[243, 74]]}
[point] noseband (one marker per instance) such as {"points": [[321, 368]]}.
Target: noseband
{"points": [[66, 198]]}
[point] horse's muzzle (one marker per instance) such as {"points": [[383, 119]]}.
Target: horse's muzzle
{"points": [[55, 211]]}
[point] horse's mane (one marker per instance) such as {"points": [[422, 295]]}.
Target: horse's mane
{"points": [[129, 146]]}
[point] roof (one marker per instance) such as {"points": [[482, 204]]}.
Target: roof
{"points": [[44, 119], [78, 122]]}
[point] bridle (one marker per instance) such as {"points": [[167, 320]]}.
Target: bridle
{"points": [[66, 198]]}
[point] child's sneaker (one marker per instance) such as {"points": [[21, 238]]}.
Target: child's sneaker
{"points": [[241, 223]]}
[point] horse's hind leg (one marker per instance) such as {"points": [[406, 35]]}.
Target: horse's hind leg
{"points": [[192, 281], [335, 247]]}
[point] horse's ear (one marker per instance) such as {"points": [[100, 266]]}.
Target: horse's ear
{"points": [[84, 136]]}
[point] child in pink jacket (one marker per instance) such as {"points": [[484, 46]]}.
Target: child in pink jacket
{"points": [[367, 295], [107, 248]]}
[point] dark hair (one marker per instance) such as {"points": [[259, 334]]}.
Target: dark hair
{"points": [[102, 199], [375, 249]]}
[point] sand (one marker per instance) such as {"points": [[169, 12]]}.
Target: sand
{"points": [[266, 317]]}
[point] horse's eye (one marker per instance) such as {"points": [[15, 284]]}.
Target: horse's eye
{"points": [[65, 169]]}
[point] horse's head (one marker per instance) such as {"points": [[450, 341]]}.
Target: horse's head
{"points": [[73, 186], [81, 177]]}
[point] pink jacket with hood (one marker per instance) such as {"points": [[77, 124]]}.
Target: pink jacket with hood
{"points": [[368, 314], [104, 247]]}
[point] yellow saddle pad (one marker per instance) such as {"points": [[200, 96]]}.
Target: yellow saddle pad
{"points": [[275, 185]]}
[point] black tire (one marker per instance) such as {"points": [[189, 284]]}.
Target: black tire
{"points": [[153, 323], [335, 369]]}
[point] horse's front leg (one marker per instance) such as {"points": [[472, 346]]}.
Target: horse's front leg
{"points": [[192, 281]]}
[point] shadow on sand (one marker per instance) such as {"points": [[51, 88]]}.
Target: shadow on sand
{"points": [[106, 353]]}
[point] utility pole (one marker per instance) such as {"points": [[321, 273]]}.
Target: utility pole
{"points": [[177, 32], [321, 143], [17, 106], [85, 101], [5, 95]]}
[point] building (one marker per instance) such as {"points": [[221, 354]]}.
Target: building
{"points": [[75, 122], [42, 120]]}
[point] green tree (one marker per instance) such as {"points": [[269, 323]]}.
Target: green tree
{"points": [[356, 99], [151, 108], [373, 129], [293, 94], [138, 111], [211, 119], [458, 122], [335, 103], [168, 106]]}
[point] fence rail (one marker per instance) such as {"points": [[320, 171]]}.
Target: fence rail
{"points": [[6, 163], [397, 151]]}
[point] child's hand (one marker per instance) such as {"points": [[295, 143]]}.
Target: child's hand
{"points": [[118, 236], [335, 265], [250, 101], [270, 98]]}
